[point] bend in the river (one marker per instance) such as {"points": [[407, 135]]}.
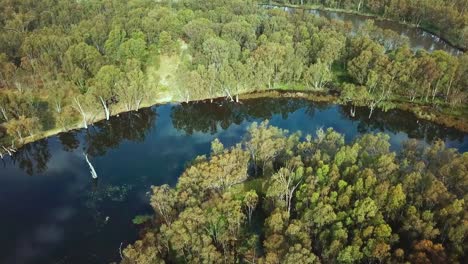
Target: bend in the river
{"points": [[418, 37]]}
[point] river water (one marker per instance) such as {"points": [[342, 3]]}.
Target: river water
{"points": [[417, 37], [54, 212]]}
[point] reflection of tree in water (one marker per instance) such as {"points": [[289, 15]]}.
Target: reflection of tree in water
{"points": [[207, 117], [33, 157], [401, 121], [109, 134], [69, 141]]}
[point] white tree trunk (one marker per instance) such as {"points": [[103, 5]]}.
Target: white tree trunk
{"points": [[4, 113], [371, 111], [229, 95], [58, 106], [92, 170], [106, 109], [82, 112], [138, 103], [7, 150]]}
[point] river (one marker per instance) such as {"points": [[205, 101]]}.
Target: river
{"points": [[54, 212], [417, 37]]}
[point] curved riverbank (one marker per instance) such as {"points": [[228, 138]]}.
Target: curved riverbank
{"points": [[445, 39], [423, 112]]}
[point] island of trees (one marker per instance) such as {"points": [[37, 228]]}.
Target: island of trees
{"points": [[278, 197], [66, 64]]}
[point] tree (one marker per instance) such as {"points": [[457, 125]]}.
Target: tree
{"points": [[167, 45], [104, 86], [83, 104], [299, 254], [23, 126], [250, 202], [356, 95], [163, 201], [318, 75], [116, 38], [284, 183], [132, 88], [133, 48], [265, 143], [82, 62]]}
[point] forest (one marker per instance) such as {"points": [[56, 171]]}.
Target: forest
{"points": [[67, 64], [447, 19], [278, 197], [273, 196]]}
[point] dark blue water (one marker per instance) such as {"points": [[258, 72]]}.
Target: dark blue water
{"points": [[54, 212]]}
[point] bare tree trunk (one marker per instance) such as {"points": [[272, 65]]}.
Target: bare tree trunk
{"points": [[137, 104], [19, 135], [82, 112], [448, 89], [229, 95], [7, 150], [352, 111], [371, 110], [106, 109], [58, 106], [92, 170], [2, 109]]}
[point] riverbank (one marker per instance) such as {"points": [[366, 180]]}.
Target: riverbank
{"points": [[458, 118], [423, 112], [427, 29]]}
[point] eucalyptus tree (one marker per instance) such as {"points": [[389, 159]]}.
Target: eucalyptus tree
{"points": [[104, 86], [132, 89], [317, 75], [81, 63]]}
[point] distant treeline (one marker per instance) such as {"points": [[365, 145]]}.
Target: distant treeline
{"points": [[448, 19]]}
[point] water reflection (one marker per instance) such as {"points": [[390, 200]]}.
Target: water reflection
{"points": [[131, 126], [211, 118], [398, 121], [61, 208], [32, 158]]}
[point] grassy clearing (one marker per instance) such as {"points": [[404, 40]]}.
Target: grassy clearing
{"points": [[257, 184]]}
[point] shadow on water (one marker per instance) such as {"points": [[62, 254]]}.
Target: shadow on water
{"points": [[62, 215]]}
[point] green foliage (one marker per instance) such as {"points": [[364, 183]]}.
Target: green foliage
{"points": [[342, 203], [141, 219]]}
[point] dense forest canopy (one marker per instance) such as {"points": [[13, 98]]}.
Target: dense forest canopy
{"points": [[278, 197], [64, 63]]}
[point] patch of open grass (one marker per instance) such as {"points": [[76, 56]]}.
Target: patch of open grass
{"points": [[256, 184]]}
